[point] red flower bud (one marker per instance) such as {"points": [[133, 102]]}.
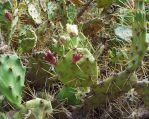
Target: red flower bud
{"points": [[49, 56], [8, 15], [76, 57]]}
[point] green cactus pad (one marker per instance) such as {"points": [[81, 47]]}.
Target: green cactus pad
{"points": [[36, 108], [52, 7], [59, 48], [69, 95], [39, 107], [69, 43], [82, 74], [12, 74], [27, 38], [38, 71]]}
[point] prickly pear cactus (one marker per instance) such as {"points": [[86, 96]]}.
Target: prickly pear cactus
{"points": [[71, 13], [78, 68], [39, 69], [52, 7], [65, 43], [12, 74], [113, 86], [39, 109], [69, 95], [33, 12], [27, 39], [61, 45], [5, 13]]}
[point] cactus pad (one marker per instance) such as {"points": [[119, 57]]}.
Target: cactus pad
{"points": [[38, 71], [12, 74], [40, 108], [81, 73], [27, 39], [35, 109], [34, 14], [69, 95]]}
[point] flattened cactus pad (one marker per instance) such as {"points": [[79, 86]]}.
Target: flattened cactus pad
{"points": [[69, 95], [39, 107], [83, 73], [34, 14], [12, 74], [27, 38]]}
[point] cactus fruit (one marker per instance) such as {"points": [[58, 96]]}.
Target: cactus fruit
{"points": [[8, 15], [64, 44], [50, 57], [5, 12], [12, 74], [36, 108], [69, 95], [5, 18], [76, 57], [81, 73], [34, 14], [27, 39]]}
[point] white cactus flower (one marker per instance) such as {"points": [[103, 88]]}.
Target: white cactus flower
{"points": [[72, 29]]}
